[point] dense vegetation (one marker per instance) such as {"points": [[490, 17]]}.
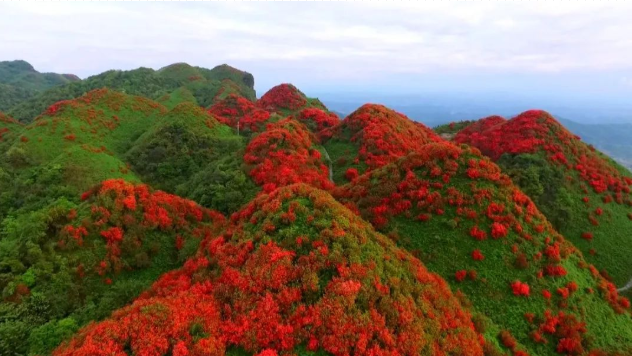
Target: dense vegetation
{"points": [[19, 81], [370, 235], [294, 272], [169, 85], [583, 193]]}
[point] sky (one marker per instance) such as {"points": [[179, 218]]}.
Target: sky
{"points": [[576, 51]]}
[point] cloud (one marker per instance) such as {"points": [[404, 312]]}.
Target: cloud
{"points": [[317, 42]]}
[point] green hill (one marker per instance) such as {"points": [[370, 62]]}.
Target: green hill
{"points": [[298, 273], [189, 152], [165, 85], [19, 81], [68, 264], [585, 194], [528, 288]]}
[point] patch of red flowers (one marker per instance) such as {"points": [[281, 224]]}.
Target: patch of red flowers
{"points": [[235, 110], [270, 293], [282, 97], [381, 134], [285, 154]]}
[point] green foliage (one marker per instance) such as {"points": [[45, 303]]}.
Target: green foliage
{"points": [[19, 81], [204, 85], [544, 183]]}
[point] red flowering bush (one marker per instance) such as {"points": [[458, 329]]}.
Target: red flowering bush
{"points": [[235, 110], [123, 215], [7, 125], [520, 288], [317, 119], [285, 154], [381, 135], [268, 288], [282, 97], [477, 255]]}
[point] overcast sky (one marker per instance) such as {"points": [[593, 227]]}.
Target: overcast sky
{"points": [[529, 46]]}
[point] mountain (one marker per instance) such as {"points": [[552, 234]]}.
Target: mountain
{"points": [[371, 137], [68, 264], [294, 272], [611, 139], [528, 287], [285, 99], [19, 81], [585, 194], [170, 85], [169, 212]]}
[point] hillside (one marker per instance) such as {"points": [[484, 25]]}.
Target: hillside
{"points": [[583, 193], [371, 137], [189, 152], [528, 288], [285, 99], [9, 127], [67, 264], [168, 85], [19, 81], [371, 235], [611, 139], [295, 272], [286, 153]]}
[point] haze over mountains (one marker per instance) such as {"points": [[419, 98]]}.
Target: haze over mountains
{"points": [[177, 212]]}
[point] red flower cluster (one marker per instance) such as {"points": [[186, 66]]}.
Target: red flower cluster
{"points": [[520, 288], [267, 293], [317, 119], [284, 154], [7, 124], [236, 110], [282, 97], [123, 214], [477, 255], [382, 135]]}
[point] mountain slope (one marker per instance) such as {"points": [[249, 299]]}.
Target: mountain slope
{"points": [[21, 74], [9, 127], [468, 223], [205, 85], [371, 137], [19, 81], [584, 194], [286, 153], [66, 265], [189, 152], [295, 272]]}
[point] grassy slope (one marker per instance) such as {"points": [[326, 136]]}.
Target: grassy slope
{"points": [[559, 172], [395, 196], [294, 272]]}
